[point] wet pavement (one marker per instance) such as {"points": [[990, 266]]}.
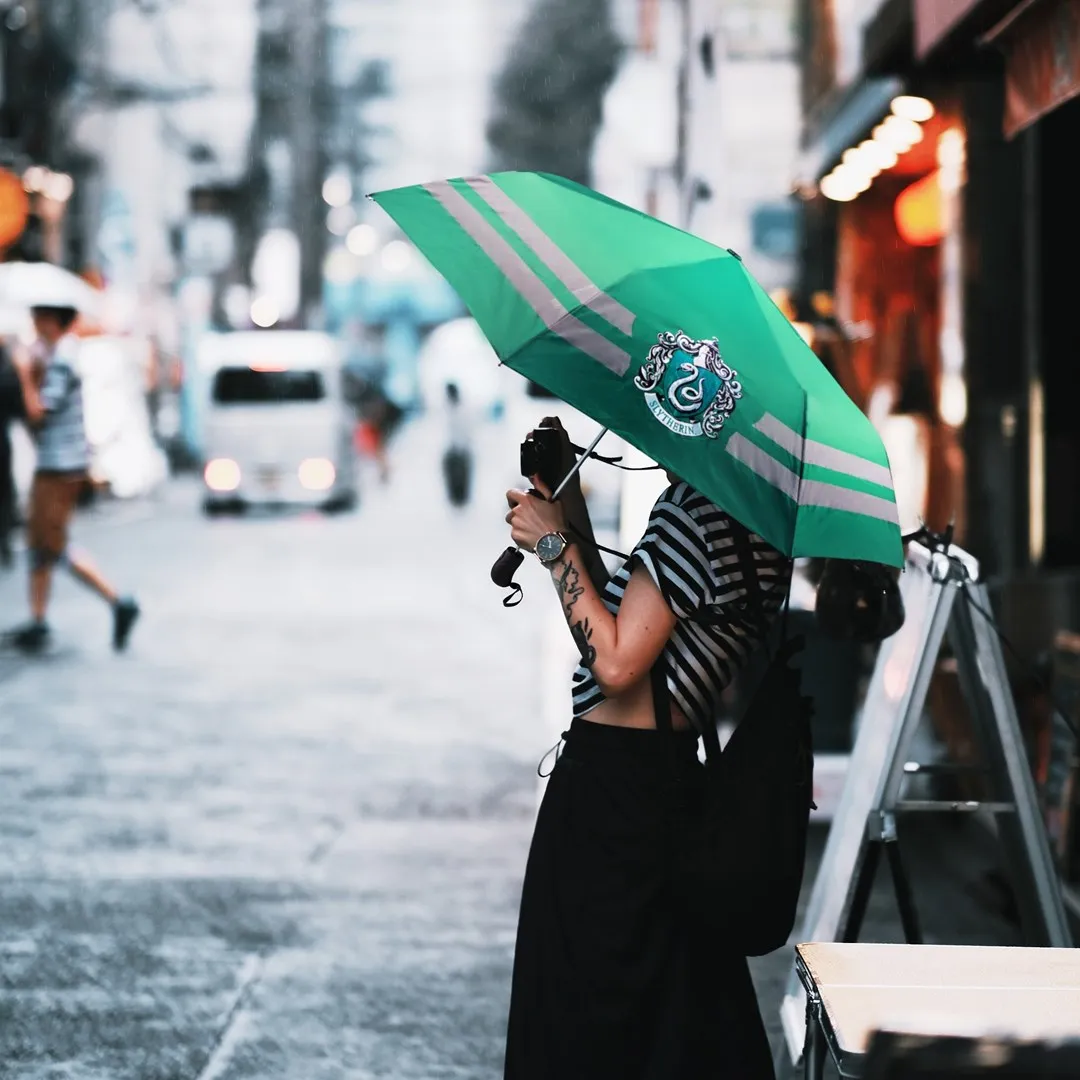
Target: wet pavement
{"points": [[284, 835]]}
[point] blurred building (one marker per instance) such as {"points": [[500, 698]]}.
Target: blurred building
{"points": [[410, 84], [937, 176], [158, 123], [701, 124], [936, 223], [637, 152], [39, 50], [742, 126], [884, 297], [439, 62], [164, 109]]}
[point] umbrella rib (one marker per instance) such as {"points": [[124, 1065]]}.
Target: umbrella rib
{"points": [[802, 492], [551, 311], [812, 452], [518, 220]]}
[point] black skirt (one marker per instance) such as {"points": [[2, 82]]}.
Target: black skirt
{"points": [[612, 979]]}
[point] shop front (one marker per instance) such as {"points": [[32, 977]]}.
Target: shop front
{"points": [[882, 175], [1024, 342], [1037, 121], [898, 287], [881, 273], [936, 279]]}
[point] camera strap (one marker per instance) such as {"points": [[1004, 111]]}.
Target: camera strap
{"points": [[613, 461], [580, 538]]}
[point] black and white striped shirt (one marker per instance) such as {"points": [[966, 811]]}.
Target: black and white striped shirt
{"points": [[689, 549]]}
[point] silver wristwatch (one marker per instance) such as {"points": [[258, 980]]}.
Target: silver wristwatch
{"points": [[550, 546]]}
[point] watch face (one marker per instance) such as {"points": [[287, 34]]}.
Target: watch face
{"points": [[549, 546]]}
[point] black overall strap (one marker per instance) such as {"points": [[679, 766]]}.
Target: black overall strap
{"points": [[745, 553], [754, 591], [661, 696]]}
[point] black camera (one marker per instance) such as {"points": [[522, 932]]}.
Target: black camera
{"points": [[541, 455]]}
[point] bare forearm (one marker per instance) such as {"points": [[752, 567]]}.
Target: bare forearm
{"points": [[621, 649], [591, 625], [581, 527]]}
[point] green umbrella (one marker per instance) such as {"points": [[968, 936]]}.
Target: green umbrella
{"points": [[669, 342]]}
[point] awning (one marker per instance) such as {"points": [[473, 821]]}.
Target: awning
{"points": [[1041, 42], [948, 30], [865, 107], [934, 19]]}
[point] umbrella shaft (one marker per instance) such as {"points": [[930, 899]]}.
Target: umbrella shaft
{"points": [[577, 465]]}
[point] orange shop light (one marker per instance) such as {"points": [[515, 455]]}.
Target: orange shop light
{"points": [[918, 212]]}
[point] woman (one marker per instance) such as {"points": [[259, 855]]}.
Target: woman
{"points": [[612, 978]]}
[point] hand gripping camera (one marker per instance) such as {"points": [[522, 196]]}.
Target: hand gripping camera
{"points": [[540, 456]]}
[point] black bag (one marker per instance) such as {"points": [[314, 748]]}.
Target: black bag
{"points": [[743, 861], [457, 472]]}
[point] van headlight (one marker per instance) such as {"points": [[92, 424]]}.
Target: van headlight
{"points": [[222, 474], [317, 474]]}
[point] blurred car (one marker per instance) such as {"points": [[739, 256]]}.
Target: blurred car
{"points": [[278, 430]]}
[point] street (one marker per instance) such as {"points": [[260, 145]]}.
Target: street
{"points": [[284, 836]]}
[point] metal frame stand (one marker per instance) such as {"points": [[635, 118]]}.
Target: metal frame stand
{"points": [[942, 595]]}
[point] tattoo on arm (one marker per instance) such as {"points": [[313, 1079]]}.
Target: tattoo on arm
{"points": [[582, 635], [568, 582]]}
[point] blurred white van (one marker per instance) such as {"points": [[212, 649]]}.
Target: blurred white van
{"points": [[278, 430]]}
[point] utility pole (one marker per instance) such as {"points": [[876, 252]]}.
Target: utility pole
{"points": [[289, 146], [307, 109]]}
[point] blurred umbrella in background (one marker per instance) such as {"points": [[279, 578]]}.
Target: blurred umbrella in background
{"points": [[28, 285], [457, 353]]}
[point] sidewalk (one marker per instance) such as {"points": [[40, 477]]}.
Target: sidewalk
{"points": [[283, 836], [97, 520]]}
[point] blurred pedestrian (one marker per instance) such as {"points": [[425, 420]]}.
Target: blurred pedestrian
{"points": [[52, 392], [613, 978], [457, 457], [377, 419], [11, 409]]}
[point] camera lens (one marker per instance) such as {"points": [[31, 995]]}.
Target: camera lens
{"points": [[530, 465]]}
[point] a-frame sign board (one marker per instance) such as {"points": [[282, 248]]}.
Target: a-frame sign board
{"points": [[942, 595]]}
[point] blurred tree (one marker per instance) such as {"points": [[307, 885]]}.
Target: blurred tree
{"points": [[549, 95]]}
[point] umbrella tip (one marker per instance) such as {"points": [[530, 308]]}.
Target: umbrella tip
{"points": [[732, 251]]}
